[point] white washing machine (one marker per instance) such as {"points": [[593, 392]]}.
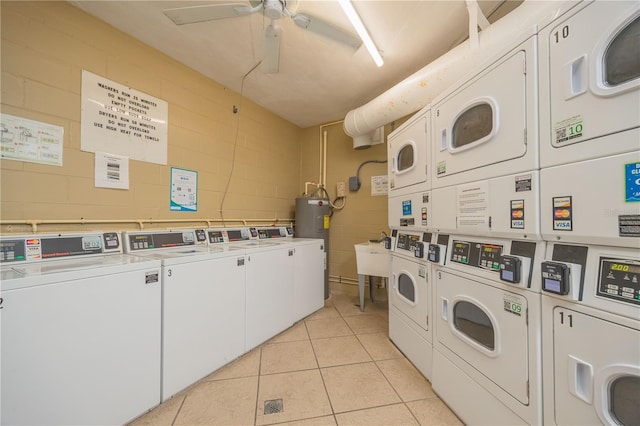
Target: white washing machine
{"points": [[203, 303], [408, 151], [410, 300], [80, 330], [487, 355], [590, 84], [591, 335], [487, 126], [269, 267], [501, 207]]}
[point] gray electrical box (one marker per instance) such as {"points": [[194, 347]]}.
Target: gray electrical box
{"points": [[354, 183], [311, 223]]}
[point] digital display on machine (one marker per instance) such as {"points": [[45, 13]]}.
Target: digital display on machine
{"points": [[161, 240], [70, 246], [407, 242], [269, 233], [552, 285], [460, 252], [619, 280], [216, 237], [12, 251], [235, 235], [480, 255]]}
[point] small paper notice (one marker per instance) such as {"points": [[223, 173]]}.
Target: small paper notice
{"points": [[112, 171]]}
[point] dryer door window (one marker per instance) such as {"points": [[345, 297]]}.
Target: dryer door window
{"points": [[406, 158], [622, 57], [407, 288], [473, 125], [474, 323], [623, 396]]}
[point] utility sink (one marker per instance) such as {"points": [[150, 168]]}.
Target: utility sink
{"points": [[372, 259]]}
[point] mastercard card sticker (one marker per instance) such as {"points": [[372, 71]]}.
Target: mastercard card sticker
{"points": [[562, 214], [517, 214]]}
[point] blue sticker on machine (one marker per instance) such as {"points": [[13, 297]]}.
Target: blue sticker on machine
{"points": [[406, 208], [632, 182]]}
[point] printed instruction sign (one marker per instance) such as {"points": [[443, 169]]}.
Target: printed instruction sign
{"points": [[184, 190], [31, 141], [112, 171], [379, 185], [473, 205], [121, 120]]}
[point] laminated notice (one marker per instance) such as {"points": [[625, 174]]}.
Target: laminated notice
{"points": [[629, 225]]}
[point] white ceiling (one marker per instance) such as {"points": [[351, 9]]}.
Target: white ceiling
{"points": [[319, 80]]}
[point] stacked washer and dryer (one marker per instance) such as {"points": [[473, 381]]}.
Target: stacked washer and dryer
{"points": [[530, 225], [410, 304], [590, 209], [485, 202]]}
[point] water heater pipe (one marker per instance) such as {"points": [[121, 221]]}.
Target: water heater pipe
{"points": [[322, 180], [420, 88]]}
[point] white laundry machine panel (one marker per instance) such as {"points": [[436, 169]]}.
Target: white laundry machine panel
{"points": [[590, 82], [80, 330], [594, 201], [408, 154], [487, 330], [410, 290], [410, 211], [501, 207], [269, 292], [308, 277], [596, 379], [203, 303], [487, 127], [410, 298]]}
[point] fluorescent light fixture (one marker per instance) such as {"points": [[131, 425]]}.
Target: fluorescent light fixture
{"points": [[361, 30]]}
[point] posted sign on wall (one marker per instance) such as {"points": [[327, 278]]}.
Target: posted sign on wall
{"points": [[122, 120]]}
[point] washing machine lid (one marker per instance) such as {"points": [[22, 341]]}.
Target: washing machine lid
{"points": [[51, 272]]}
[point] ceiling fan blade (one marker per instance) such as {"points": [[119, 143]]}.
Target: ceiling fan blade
{"points": [[325, 29], [209, 12], [271, 58]]}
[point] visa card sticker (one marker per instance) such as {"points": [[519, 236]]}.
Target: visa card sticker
{"points": [[632, 182]]}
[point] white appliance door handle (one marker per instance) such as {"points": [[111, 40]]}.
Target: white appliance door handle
{"points": [[394, 168], [394, 282], [444, 311], [576, 77], [443, 140], [580, 379]]}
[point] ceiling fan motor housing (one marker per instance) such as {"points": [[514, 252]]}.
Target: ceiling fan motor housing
{"points": [[273, 8]]}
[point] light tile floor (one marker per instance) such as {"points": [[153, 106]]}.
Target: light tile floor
{"points": [[336, 367]]}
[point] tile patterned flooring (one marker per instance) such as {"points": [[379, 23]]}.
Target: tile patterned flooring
{"points": [[335, 367]]}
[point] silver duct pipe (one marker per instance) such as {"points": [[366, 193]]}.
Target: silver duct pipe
{"points": [[419, 89]]}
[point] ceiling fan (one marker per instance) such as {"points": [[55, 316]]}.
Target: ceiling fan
{"points": [[271, 9]]}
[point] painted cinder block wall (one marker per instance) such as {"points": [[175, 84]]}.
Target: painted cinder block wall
{"points": [[46, 45]]}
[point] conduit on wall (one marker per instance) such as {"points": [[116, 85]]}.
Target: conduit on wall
{"points": [[140, 222], [420, 88]]}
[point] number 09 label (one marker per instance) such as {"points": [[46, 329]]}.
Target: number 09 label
{"points": [[513, 304]]}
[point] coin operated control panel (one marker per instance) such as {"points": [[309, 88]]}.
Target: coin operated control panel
{"points": [[153, 240], [36, 248], [619, 280], [410, 243], [476, 254]]}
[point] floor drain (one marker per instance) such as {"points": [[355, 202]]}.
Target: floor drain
{"points": [[273, 406]]}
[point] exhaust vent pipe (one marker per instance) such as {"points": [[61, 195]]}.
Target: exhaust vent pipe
{"points": [[420, 88]]}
